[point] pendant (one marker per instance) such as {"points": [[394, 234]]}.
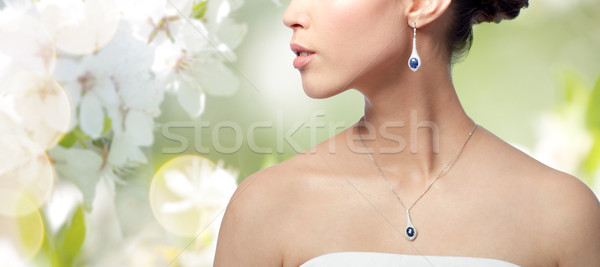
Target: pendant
{"points": [[414, 62], [411, 231]]}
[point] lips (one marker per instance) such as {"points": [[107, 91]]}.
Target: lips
{"points": [[303, 55]]}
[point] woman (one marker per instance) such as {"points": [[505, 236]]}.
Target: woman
{"points": [[415, 182]]}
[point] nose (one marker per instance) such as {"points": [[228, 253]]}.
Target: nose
{"points": [[295, 16]]}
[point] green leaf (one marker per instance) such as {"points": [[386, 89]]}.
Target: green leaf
{"points": [[107, 125], [269, 160], [77, 135], [575, 88], [592, 162], [31, 229], [68, 140], [73, 137], [199, 9], [70, 237], [593, 109], [47, 256], [101, 142]]}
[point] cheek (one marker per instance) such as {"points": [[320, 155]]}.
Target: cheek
{"points": [[355, 31], [349, 22]]}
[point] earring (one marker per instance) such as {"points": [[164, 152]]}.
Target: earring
{"points": [[414, 62]]}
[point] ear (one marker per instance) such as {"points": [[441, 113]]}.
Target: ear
{"points": [[423, 12]]}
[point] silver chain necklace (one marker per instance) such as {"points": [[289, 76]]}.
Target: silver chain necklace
{"points": [[411, 231]]}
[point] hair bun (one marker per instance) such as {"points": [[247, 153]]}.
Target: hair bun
{"points": [[498, 10]]}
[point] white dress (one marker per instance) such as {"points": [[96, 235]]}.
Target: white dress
{"points": [[355, 259]]}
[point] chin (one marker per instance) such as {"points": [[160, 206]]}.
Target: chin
{"points": [[320, 92]]}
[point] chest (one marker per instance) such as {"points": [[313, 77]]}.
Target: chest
{"points": [[475, 226]]}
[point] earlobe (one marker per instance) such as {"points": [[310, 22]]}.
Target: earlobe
{"points": [[423, 12]]}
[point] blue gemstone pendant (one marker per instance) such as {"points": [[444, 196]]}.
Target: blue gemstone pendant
{"points": [[414, 62], [411, 231]]}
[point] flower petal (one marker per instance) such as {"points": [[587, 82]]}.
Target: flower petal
{"points": [[191, 99], [176, 207], [80, 166], [140, 127], [91, 115], [231, 33], [124, 150], [178, 183], [217, 79]]}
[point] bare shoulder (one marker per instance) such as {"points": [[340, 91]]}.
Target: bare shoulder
{"points": [[572, 211], [253, 228], [564, 211]]}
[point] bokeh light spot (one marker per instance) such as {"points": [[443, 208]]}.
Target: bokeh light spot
{"points": [[36, 107], [27, 45], [188, 193], [24, 232], [80, 27], [25, 173]]}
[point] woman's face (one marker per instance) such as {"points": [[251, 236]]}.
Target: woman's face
{"points": [[356, 43]]}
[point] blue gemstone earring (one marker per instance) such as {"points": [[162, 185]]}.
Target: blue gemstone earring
{"points": [[414, 62]]}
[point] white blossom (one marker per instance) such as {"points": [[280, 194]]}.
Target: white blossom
{"points": [[63, 201], [80, 27], [115, 60], [199, 188], [117, 83], [25, 44], [189, 194], [197, 63], [36, 107], [83, 167]]}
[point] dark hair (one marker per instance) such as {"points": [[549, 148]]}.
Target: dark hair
{"points": [[467, 13]]}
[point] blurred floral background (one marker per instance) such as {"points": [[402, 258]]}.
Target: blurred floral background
{"points": [[125, 126]]}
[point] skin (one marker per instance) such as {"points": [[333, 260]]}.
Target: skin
{"points": [[494, 202]]}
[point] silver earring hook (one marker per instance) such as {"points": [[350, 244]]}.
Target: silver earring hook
{"points": [[414, 29]]}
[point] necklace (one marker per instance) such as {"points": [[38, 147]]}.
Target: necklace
{"points": [[411, 232]]}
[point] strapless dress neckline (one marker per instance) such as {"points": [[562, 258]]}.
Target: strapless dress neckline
{"points": [[355, 259]]}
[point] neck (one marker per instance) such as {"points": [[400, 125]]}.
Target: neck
{"points": [[414, 125]]}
